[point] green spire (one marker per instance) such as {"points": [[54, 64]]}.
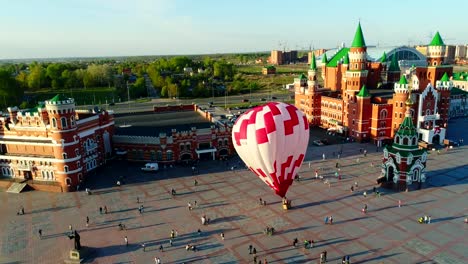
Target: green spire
{"points": [[313, 64], [445, 78], [403, 80], [302, 76], [58, 98], [407, 128], [364, 92], [324, 58], [384, 57], [358, 41], [346, 59], [394, 64], [437, 40]]}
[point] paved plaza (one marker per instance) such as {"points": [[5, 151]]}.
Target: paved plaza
{"points": [[386, 234]]}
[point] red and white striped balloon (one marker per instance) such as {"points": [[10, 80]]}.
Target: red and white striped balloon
{"points": [[272, 140]]}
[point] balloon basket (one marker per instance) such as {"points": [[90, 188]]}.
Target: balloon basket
{"points": [[287, 206]]}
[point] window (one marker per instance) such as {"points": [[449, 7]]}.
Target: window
{"points": [[383, 114], [63, 122], [77, 152], [169, 155], [78, 164], [64, 155], [69, 181], [159, 155], [72, 121], [153, 155], [54, 122], [65, 168], [187, 146]]}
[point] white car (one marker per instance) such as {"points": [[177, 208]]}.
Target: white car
{"points": [[150, 167]]}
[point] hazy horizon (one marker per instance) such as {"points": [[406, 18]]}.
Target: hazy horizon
{"points": [[57, 29]]}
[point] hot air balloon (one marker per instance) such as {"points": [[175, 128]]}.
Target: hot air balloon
{"points": [[272, 140]]}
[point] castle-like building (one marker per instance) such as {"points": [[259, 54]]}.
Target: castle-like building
{"points": [[54, 144], [353, 100], [54, 147]]}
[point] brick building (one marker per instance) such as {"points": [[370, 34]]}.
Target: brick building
{"points": [[55, 144], [354, 100]]}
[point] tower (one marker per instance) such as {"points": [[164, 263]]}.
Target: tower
{"points": [[324, 66], [394, 71], [63, 129], [436, 51], [443, 86], [313, 95], [403, 162], [401, 93], [435, 58], [356, 76], [361, 125]]}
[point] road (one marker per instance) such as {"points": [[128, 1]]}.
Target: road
{"points": [[120, 108]]}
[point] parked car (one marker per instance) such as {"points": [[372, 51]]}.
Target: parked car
{"points": [[263, 99], [317, 143], [150, 167], [245, 100], [274, 98]]}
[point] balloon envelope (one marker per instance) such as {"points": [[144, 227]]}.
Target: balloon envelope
{"points": [[272, 140]]}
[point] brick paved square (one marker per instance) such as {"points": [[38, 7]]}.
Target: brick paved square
{"points": [[386, 234]]}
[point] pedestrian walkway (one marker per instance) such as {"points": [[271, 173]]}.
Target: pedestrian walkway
{"points": [[229, 198]]}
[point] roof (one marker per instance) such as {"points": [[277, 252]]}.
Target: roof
{"points": [[302, 76], [358, 41], [407, 128], [324, 58], [59, 98], [394, 64], [313, 63], [460, 76], [384, 57], [403, 80], [404, 153], [445, 78], [270, 67], [458, 91], [35, 109], [346, 59], [363, 92], [337, 57], [437, 40]]}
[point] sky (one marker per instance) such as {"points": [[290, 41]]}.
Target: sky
{"points": [[95, 28]]}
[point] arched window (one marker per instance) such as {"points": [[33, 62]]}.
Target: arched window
{"points": [[54, 122], [69, 181], [413, 141], [63, 122], [383, 114], [397, 139], [72, 121], [65, 168], [65, 156], [428, 112], [405, 141]]}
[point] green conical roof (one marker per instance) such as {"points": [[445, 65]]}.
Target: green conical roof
{"points": [[394, 64], [384, 57], [346, 59], [358, 41], [302, 76], [445, 78], [407, 128], [324, 58], [313, 63], [437, 40], [403, 80], [364, 92], [58, 98]]}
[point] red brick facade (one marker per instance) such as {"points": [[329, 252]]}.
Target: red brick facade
{"points": [[54, 144]]}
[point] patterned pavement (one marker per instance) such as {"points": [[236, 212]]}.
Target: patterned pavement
{"points": [[386, 234]]}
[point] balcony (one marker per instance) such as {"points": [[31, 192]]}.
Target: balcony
{"points": [[429, 118]]}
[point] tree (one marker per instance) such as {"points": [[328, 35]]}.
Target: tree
{"points": [[54, 72], [37, 76], [138, 89], [22, 79], [10, 90]]}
